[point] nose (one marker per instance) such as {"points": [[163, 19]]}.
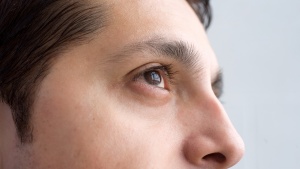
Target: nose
{"points": [[212, 141]]}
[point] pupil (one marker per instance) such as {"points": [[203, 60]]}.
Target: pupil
{"points": [[152, 77]]}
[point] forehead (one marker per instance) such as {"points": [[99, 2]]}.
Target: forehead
{"points": [[140, 20], [136, 18]]}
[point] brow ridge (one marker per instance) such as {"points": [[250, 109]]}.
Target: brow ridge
{"points": [[178, 50]]}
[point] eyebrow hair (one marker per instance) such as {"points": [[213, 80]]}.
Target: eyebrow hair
{"points": [[178, 50]]}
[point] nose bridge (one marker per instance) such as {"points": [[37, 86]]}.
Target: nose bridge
{"points": [[212, 141], [219, 124]]}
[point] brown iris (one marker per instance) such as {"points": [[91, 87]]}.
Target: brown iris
{"points": [[153, 77]]}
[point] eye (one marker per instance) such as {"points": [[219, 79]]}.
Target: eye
{"points": [[217, 85], [155, 78]]}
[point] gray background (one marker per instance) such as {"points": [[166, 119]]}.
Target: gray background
{"points": [[257, 44]]}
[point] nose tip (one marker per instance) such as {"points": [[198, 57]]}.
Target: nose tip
{"points": [[234, 151], [214, 142], [209, 153]]}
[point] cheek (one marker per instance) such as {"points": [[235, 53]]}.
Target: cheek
{"points": [[73, 123], [64, 122], [84, 125]]}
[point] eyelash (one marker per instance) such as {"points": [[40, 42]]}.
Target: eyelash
{"points": [[167, 69], [167, 73]]}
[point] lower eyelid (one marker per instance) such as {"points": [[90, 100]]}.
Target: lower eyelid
{"points": [[147, 90]]}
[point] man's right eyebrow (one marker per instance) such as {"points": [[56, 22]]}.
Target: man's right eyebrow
{"points": [[178, 50]]}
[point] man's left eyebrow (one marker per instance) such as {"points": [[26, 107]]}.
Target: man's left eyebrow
{"points": [[178, 50]]}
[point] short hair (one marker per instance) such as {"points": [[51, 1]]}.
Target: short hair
{"points": [[33, 33], [203, 10]]}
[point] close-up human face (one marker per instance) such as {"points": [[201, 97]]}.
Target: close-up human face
{"points": [[143, 93]]}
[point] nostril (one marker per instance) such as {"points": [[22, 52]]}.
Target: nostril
{"points": [[217, 157]]}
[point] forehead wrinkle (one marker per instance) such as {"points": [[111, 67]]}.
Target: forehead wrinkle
{"points": [[178, 50]]}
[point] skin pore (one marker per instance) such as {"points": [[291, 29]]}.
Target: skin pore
{"points": [[97, 107]]}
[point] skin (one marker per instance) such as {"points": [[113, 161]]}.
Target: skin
{"points": [[92, 112]]}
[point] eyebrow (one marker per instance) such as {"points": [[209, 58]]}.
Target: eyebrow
{"points": [[181, 51], [178, 50]]}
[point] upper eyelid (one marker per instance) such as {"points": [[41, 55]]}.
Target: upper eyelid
{"points": [[149, 69], [161, 68], [176, 50]]}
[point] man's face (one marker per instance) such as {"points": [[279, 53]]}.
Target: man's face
{"points": [[139, 95]]}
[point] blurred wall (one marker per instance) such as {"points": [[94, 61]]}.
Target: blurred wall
{"points": [[257, 44]]}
